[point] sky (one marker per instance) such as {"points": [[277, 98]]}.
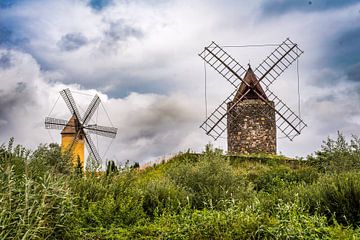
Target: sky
{"points": [[141, 58]]}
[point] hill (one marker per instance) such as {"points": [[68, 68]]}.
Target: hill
{"points": [[190, 196]]}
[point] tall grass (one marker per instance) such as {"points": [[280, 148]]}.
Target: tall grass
{"points": [[32, 207], [192, 196]]}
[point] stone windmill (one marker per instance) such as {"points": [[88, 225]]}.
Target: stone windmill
{"points": [[251, 113], [76, 131]]}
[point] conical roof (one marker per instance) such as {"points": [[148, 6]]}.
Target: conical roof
{"points": [[70, 126], [251, 80]]}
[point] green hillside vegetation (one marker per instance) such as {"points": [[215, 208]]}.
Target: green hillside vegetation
{"points": [[191, 196]]}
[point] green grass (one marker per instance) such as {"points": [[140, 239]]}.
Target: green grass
{"points": [[191, 196]]}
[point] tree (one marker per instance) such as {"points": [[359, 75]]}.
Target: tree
{"points": [[111, 168]]}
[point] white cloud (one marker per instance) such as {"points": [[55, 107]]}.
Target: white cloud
{"points": [[143, 58], [150, 125]]}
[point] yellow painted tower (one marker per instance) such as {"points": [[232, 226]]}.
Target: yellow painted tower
{"points": [[72, 139]]}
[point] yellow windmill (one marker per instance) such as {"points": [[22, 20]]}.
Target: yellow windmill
{"points": [[75, 131]]}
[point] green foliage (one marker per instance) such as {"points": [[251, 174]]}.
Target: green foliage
{"points": [[111, 168], [48, 158], [281, 177], [32, 205], [336, 197], [191, 196], [162, 195], [338, 155], [135, 165], [105, 201], [210, 181]]}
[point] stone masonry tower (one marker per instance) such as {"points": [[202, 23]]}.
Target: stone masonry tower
{"points": [[254, 130]]}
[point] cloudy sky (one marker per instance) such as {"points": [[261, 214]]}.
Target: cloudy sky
{"points": [[141, 58]]}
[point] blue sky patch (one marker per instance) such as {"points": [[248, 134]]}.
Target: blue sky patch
{"points": [[9, 39], [99, 4], [9, 3]]}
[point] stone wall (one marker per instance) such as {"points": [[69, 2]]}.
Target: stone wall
{"points": [[254, 130]]}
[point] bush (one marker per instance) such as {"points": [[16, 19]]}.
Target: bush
{"points": [[280, 177], [163, 195], [210, 181], [337, 155], [337, 198], [105, 201]]}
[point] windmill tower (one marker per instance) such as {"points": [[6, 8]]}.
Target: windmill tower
{"points": [[75, 131], [251, 113], [73, 140]]}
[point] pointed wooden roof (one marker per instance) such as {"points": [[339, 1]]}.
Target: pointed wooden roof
{"points": [[70, 126], [251, 80]]}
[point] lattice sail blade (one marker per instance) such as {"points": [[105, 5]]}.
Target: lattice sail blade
{"points": [[287, 121], [277, 62], [91, 109], [70, 103], [55, 123], [216, 124], [92, 149], [221, 61], [102, 130]]}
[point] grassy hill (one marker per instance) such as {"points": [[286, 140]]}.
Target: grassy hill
{"points": [[191, 196]]}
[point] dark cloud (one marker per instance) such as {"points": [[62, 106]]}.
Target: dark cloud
{"points": [[163, 115], [343, 54], [128, 83], [20, 87], [335, 111], [12, 100], [282, 6], [354, 73], [72, 41], [341, 59], [154, 123], [5, 60], [345, 49], [120, 31]]}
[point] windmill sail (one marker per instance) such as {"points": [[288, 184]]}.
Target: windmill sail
{"points": [[55, 123], [78, 126], [217, 58], [277, 62], [92, 149], [102, 130], [70, 103], [91, 109], [270, 69]]}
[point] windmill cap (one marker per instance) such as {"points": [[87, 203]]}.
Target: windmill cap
{"points": [[250, 81], [70, 126]]}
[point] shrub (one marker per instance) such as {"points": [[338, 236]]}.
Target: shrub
{"points": [[49, 158], [336, 197], [337, 155], [210, 181], [105, 201], [280, 177], [163, 195]]}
